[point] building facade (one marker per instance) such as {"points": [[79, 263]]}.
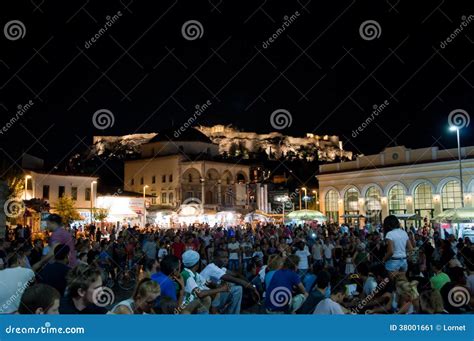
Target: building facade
{"points": [[176, 170], [398, 180]]}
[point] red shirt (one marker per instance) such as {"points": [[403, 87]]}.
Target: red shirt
{"points": [[178, 249]]}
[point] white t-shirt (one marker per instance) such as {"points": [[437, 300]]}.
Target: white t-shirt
{"points": [[303, 255], [247, 248], [212, 273], [328, 307], [317, 248], [399, 238], [233, 250], [13, 283], [328, 250]]}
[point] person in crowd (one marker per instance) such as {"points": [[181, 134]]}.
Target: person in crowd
{"points": [[14, 280], [316, 295], [304, 257], [431, 302], [142, 301], [328, 248], [280, 298], [234, 254], [170, 280], [37, 252], [149, 247], [54, 274], [332, 305], [59, 235], [40, 299], [84, 287], [198, 296], [439, 278], [178, 247], [227, 302], [397, 245]]}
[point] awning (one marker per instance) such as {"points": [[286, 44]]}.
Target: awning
{"points": [[354, 216], [408, 216]]}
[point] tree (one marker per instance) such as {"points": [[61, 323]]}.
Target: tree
{"points": [[65, 207], [100, 214]]}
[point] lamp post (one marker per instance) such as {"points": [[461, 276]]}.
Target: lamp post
{"points": [[144, 205], [92, 196], [316, 202], [26, 183], [457, 129], [305, 197]]}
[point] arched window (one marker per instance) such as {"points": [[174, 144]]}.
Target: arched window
{"points": [[373, 206], [351, 205], [451, 195], [396, 200], [423, 201], [331, 205], [190, 178]]}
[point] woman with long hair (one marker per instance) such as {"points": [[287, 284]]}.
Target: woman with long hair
{"points": [[142, 301]]}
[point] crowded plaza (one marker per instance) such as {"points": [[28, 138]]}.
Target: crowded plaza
{"points": [[247, 268]]}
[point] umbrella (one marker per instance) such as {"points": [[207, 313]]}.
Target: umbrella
{"points": [[307, 215], [408, 216], [457, 215]]}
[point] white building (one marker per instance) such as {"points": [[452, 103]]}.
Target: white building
{"points": [[50, 187], [178, 167], [398, 180]]}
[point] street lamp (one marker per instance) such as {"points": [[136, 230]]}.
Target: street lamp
{"points": [[92, 196], [457, 129], [26, 183], [305, 197], [144, 205], [316, 198]]}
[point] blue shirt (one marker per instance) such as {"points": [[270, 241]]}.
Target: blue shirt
{"points": [[279, 292], [167, 286]]}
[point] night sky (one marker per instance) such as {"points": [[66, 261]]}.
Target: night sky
{"points": [[320, 69]]}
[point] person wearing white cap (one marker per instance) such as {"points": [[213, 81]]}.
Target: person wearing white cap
{"points": [[197, 295]]}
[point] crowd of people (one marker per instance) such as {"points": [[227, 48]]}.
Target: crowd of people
{"points": [[263, 269]]}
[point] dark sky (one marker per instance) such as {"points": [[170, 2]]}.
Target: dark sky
{"points": [[320, 69]]}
